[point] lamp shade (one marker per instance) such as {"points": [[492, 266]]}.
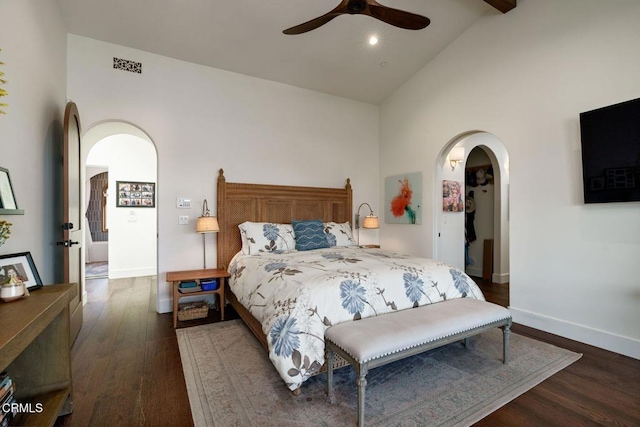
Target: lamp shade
{"points": [[207, 224], [370, 221]]}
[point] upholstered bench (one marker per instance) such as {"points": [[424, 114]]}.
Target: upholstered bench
{"points": [[376, 341]]}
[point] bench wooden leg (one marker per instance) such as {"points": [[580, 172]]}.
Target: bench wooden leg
{"points": [[329, 359], [506, 332], [362, 384], [467, 341]]}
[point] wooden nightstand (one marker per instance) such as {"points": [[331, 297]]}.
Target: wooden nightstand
{"points": [[370, 246], [175, 277]]}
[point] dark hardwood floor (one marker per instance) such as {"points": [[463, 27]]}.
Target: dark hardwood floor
{"points": [[127, 370], [125, 362], [602, 388], [494, 292]]}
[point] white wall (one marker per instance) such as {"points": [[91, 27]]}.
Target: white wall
{"points": [[202, 119], [524, 77], [449, 243], [132, 231], [33, 43]]}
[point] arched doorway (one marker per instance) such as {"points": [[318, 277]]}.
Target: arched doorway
{"points": [[126, 154], [449, 245]]}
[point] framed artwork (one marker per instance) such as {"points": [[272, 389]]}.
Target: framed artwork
{"points": [[135, 194], [452, 196], [403, 199], [7, 198], [19, 267]]}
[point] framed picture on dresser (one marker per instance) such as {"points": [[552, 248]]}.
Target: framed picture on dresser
{"points": [[19, 267]]}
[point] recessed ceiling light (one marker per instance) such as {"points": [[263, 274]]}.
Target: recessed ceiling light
{"points": [[373, 40]]}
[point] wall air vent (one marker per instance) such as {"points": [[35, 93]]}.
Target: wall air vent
{"points": [[126, 65]]}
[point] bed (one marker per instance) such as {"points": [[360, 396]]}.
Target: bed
{"points": [[287, 297]]}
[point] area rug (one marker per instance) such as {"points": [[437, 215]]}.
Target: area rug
{"points": [[96, 270], [231, 382]]}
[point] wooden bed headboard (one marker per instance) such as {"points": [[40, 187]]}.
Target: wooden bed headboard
{"points": [[238, 203]]}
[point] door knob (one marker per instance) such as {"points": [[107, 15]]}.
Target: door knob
{"points": [[66, 243]]}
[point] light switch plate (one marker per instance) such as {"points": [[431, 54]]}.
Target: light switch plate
{"points": [[183, 219], [182, 203]]}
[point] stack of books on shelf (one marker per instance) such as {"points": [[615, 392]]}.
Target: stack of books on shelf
{"points": [[7, 388], [188, 287]]}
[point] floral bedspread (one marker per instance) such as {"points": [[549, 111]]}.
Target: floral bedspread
{"points": [[297, 295]]}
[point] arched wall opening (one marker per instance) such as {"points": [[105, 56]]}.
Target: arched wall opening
{"points": [[128, 154], [449, 244]]}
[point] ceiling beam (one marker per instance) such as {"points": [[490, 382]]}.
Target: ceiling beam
{"points": [[503, 6]]}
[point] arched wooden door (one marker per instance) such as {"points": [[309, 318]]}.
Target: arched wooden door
{"points": [[72, 225]]}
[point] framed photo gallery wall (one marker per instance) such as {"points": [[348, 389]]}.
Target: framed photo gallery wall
{"points": [[136, 194]]}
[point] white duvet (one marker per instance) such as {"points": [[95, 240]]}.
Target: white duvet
{"points": [[297, 295]]}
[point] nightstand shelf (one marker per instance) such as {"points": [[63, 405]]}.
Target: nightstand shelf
{"points": [[176, 277]]}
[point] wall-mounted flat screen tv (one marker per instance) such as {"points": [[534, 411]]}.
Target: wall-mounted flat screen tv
{"points": [[611, 153]]}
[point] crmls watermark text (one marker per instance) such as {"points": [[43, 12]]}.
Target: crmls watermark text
{"points": [[22, 408]]}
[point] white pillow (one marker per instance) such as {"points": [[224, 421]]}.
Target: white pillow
{"points": [[266, 237], [339, 234]]}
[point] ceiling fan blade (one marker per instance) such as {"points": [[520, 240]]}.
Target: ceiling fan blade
{"points": [[313, 24], [319, 21], [398, 18]]}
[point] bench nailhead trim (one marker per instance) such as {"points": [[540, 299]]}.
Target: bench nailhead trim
{"points": [[422, 343]]}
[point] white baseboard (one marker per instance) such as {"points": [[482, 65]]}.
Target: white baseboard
{"points": [[165, 305], [500, 277], [495, 277], [595, 337], [135, 272], [97, 252]]}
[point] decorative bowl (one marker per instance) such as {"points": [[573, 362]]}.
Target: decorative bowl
{"points": [[11, 291]]}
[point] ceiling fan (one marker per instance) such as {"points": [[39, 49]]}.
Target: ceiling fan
{"points": [[395, 17]]}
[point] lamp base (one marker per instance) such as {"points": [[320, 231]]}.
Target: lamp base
{"points": [[204, 252]]}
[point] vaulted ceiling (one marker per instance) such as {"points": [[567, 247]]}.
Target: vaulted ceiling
{"points": [[245, 36]]}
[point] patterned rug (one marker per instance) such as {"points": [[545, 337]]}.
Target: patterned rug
{"points": [[96, 270], [231, 382]]}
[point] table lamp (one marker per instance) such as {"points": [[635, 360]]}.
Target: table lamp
{"points": [[206, 224]]}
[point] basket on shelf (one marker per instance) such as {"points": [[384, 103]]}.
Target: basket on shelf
{"points": [[193, 310]]}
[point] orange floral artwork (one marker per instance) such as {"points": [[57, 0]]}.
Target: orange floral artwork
{"points": [[403, 193]]}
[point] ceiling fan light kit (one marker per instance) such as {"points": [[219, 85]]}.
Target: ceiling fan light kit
{"points": [[395, 17]]}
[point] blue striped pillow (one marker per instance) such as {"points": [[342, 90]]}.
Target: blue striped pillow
{"points": [[309, 235]]}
